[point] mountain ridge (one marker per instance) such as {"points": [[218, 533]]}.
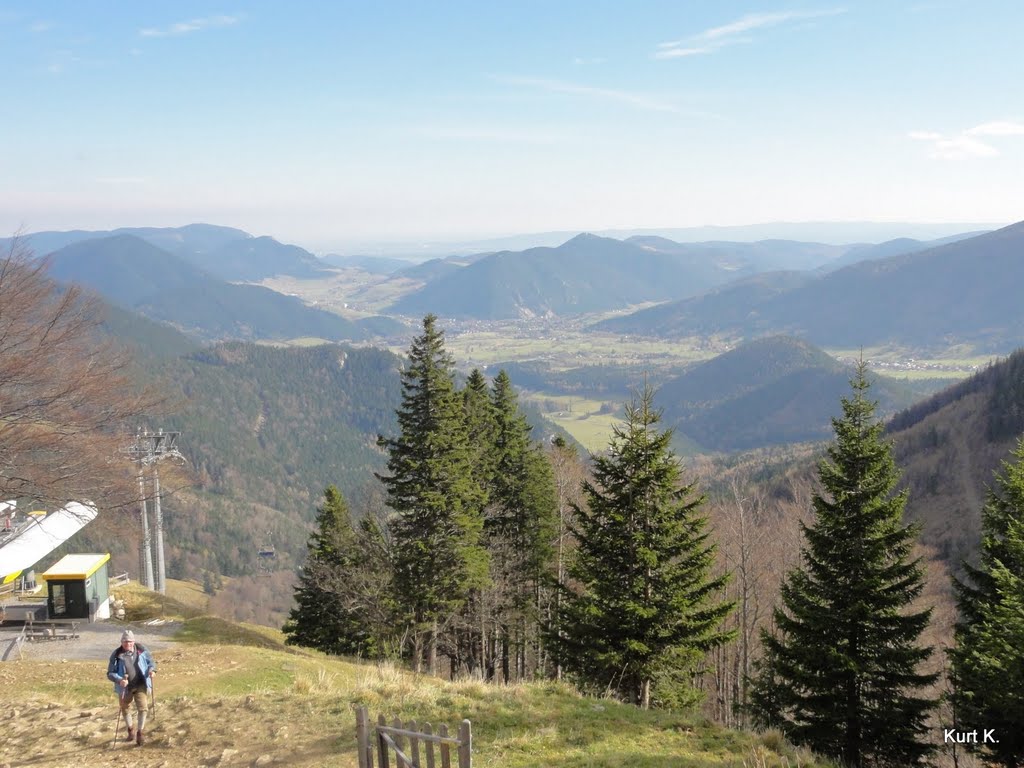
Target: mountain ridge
{"points": [[137, 275], [928, 298]]}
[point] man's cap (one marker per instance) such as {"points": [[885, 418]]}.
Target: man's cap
{"points": [[127, 635]]}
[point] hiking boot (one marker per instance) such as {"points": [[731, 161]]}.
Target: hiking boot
{"points": [[139, 738], [131, 733]]}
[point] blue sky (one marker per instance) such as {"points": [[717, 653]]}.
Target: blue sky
{"points": [[328, 124]]}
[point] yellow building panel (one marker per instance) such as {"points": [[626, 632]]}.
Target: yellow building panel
{"points": [[75, 567]]}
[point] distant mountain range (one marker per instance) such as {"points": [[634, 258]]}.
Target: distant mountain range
{"points": [[228, 253], [964, 291], [598, 274], [906, 292], [134, 274], [831, 232], [591, 274]]}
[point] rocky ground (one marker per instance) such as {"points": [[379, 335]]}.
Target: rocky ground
{"points": [[70, 721]]}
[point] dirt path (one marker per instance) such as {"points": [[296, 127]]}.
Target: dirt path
{"points": [[40, 729]]}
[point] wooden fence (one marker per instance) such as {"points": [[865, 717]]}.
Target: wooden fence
{"points": [[393, 738], [15, 645]]}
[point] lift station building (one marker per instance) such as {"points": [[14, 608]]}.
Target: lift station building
{"points": [[77, 587]]}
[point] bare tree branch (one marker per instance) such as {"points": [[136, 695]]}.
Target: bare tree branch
{"points": [[67, 401]]}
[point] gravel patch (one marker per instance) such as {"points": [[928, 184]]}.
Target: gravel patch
{"points": [[97, 640]]}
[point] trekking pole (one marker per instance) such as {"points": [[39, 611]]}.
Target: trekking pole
{"points": [[117, 728], [152, 697]]}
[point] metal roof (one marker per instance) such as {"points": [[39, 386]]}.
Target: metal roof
{"points": [[76, 566], [40, 536]]}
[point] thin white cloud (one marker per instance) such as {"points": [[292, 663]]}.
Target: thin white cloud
{"points": [[716, 38], [193, 25], [120, 180], [752, 21], [952, 147], [631, 98], [966, 143], [998, 128], [678, 53], [41, 26]]}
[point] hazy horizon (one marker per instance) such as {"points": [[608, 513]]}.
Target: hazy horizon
{"points": [[327, 124]]}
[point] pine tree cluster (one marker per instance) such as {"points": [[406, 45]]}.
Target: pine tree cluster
{"points": [[511, 561]]}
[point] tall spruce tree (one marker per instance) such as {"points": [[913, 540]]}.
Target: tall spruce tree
{"points": [[438, 555], [840, 673], [520, 525], [645, 606], [471, 638], [988, 660], [320, 618], [479, 414]]}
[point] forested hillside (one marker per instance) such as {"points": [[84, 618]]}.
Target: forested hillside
{"points": [[264, 431], [770, 391], [950, 446]]}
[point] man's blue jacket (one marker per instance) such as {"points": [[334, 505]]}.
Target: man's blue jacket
{"points": [[116, 668]]}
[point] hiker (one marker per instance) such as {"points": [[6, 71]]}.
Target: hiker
{"points": [[131, 669]]}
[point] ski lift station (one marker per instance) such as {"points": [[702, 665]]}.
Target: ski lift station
{"points": [[77, 587]]}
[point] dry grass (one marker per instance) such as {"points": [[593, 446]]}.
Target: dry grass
{"points": [[233, 694]]}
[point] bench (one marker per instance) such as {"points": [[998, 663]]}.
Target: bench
{"points": [[55, 629]]}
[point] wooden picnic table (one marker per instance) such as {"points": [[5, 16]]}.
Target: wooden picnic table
{"points": [[52, 629]]}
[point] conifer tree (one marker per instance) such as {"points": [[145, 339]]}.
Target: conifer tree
{"points": [[645, 607], [840, 675], [522, 486], [470, 642], [438, 555], [319, 619], [988, 660], [520, 524], [479, 414]]}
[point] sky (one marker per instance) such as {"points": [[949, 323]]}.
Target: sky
{"points": [[341, 123]]}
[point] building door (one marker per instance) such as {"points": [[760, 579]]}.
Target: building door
{"points": [[67, 600]]}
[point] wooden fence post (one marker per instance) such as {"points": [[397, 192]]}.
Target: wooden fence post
{"points": [[363, 737], [414, 744], [399, 745], [382, 745], [429, 745], [465, 745], [446, 760]]}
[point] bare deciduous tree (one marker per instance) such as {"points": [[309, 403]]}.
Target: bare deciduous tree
{"points": [[66, 401]]}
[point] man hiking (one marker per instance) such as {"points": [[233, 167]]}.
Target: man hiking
{"points": [[131, 669]]}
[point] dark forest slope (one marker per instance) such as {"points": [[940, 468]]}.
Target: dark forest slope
{"points": [[950, 445]]}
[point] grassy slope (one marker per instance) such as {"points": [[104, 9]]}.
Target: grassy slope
{"points": [[232, 694]]}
